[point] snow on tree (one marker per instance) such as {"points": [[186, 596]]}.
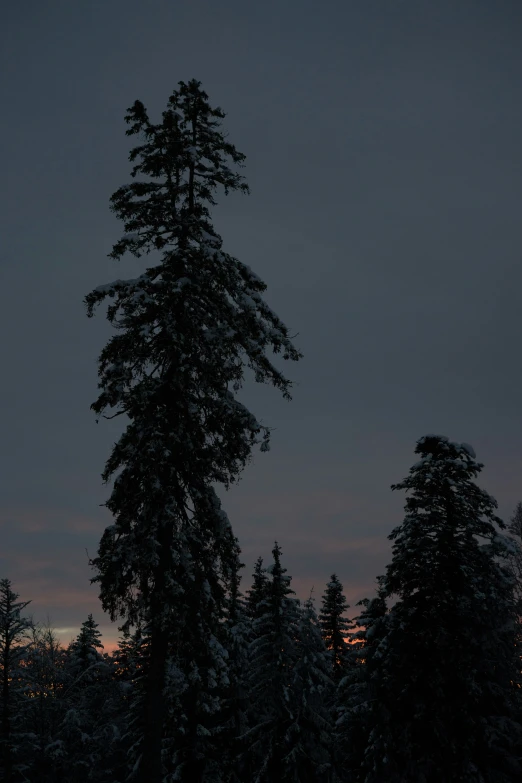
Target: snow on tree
{"points": [[196, 685], [14, 641], [335, 626], [129, 667], [285, 692], [84, 658], [354, 703], [310, 733], [272, 656], [129, 655], [88, 731], [44, 682], [233, 722], [439, 663], [188, 329]]}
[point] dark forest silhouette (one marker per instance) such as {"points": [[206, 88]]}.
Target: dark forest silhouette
{"points": [[208, 684]]}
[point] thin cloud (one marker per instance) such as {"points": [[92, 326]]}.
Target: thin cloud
{"points": [[53, 520]]}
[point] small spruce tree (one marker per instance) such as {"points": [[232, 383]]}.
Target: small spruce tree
{"points": [[88, 729], [354, 703], [258, 590], [310, 758], [272, 656], [335, 626], [84, 657]]}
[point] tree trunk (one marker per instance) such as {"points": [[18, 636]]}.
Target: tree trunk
{"points": [[151, 768], [154, 709]]}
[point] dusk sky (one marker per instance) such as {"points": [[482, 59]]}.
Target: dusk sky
{"points": [[384, 155]]}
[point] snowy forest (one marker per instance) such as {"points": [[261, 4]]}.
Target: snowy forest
{"points": [[212, 682]]}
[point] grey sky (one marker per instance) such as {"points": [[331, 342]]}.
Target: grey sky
{"points": [[383, 144]]}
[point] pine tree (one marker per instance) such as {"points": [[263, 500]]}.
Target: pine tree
{"points": [[88, 729], [235, 702], [14, 641], [84, 658], [440, 666], [272, 658], [310, 733], [335, 626], [189, 326], [354, 702], [258, 590]]}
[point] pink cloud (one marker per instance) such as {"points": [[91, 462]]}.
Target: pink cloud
{"points": [[320, 523]]}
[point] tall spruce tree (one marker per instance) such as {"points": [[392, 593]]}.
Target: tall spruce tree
{"points": [[440, 666], [188, 328], [335, 626]]}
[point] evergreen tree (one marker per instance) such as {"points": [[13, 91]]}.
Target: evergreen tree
{"points": [[258, 590], [189, 326], [354, 702], [335, 626], [84, 658], [440, 666], [272, 658], [44, 675], [310, 733], [89, 727], [234, 722], [14, 642]]}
